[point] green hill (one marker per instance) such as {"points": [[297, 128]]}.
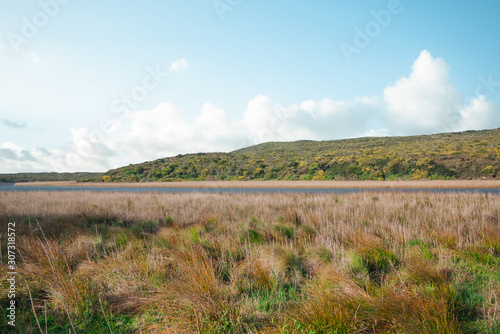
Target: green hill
{"points": [[463, 155]]}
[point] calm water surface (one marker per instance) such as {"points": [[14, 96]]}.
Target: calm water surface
{"points": [[11, 187]]}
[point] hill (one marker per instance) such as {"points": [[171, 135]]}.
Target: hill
{"points": [[462, 155], [34, 177]]}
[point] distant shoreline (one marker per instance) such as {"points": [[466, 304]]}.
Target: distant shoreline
{"points": [[421, 184]]}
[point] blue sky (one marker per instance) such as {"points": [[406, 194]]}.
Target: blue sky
{"points": [[232, 73]]}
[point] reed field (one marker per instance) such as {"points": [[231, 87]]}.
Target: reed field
{"points": [[369, 262]]}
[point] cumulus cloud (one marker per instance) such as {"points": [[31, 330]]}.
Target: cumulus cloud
{"points": [[164, 131], [179, 65], [88, 151], [479, 114], [425, 101], [318, 120]]}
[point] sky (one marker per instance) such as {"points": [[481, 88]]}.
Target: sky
{"points": [[95, 85]]}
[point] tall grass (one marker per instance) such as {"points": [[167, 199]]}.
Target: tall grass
{"points": [[269, 263]]}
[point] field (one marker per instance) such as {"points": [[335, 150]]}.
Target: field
{"points": [[371, 262]]}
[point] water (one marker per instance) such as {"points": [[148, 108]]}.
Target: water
{"points": [[11, 187]]}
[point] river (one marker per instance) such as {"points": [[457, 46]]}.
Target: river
{"points": [[9, 187]]}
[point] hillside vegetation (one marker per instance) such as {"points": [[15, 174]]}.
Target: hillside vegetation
{"points": [[35, 177], [464, 155]]}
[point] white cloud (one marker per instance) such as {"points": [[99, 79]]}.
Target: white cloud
{"points": [[179, 65], [424, 102], [316, 120], [216, 130], [14, 158], [160, 132], [479, 114], [428, 102]]}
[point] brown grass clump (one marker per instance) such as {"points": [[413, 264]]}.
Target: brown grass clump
{"points": [[336, 304], [332, 305], [255, 274], [196, 300]]}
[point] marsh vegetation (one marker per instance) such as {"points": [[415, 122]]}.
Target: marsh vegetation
{"points": [[372, 262]]}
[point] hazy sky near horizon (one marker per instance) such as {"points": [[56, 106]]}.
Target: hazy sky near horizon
{"points": [[94, 85]]}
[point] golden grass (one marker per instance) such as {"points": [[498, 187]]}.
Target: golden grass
{"points": [[370, 262], [419, 184]]}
